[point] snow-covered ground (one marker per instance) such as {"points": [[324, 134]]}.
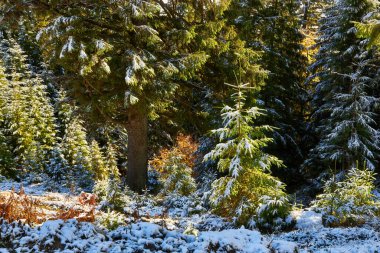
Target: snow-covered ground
{"points": [[179, 231]]}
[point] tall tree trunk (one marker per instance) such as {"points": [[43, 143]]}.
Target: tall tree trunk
{"points": [[137, 129]]}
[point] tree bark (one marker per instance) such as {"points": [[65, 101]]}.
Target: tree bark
{"points": [[137, 129]]}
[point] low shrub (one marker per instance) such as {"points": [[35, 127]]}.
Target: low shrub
{"points": [[348, 202], [111, 195], [110, 219], [175, 166], [255, 199]]}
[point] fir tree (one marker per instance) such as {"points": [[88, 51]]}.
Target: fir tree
{"points": [[246, 188], [98, 164], [174, 167], [4, 94], [78, 154], [129, 86], [6, 156], [57, 167], [111, 164], [115, 194], [353, 137], [65, 110], [109, 189], [30, 113], [273, 27], [343, 98]]}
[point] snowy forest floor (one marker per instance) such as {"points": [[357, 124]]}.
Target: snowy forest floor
{"points": [[150, 226]]}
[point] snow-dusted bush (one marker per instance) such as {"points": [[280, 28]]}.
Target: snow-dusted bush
{"points": [[109, 190], [110, 219], [255, 199], [178, 177], [184, 205], [271, 213], [248, 192], [153, 180], [175, 166], [111, 194], [350, 201]]}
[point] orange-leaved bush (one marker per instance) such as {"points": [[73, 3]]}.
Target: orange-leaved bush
{"points": [[175, 166]]}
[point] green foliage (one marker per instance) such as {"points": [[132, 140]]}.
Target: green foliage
{"points": [[345, 97], [153, 53], [347, 202], [28, 114], [272, 27], [100, 189], [6, 156], [240, 154], [66, 111], [110, 219], [7, 165], [132, 64], [178, 179], [175, 167], [98, 164], [370, 27], [111, 164], [78, 154], [369, 30], [57, 168], [111, 195], [109, 189], [272, 212]]}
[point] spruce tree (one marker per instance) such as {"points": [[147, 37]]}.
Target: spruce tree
{"points": [[77, 152], [344, 98], [66, 111], [111, 164], [109, 190], [6, 156], [274, 28], [57, 167], [126, 70], [98, 164], [30, 113], [178, 179], [248, 186], [4, 94]]}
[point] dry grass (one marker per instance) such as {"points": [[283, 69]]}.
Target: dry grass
{"points": [[18, 206], [83, 211]]}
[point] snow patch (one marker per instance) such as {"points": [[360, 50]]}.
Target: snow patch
{"points": [[307, 219]]}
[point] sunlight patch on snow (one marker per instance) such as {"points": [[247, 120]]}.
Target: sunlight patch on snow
{"points": [[307, 219]]}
